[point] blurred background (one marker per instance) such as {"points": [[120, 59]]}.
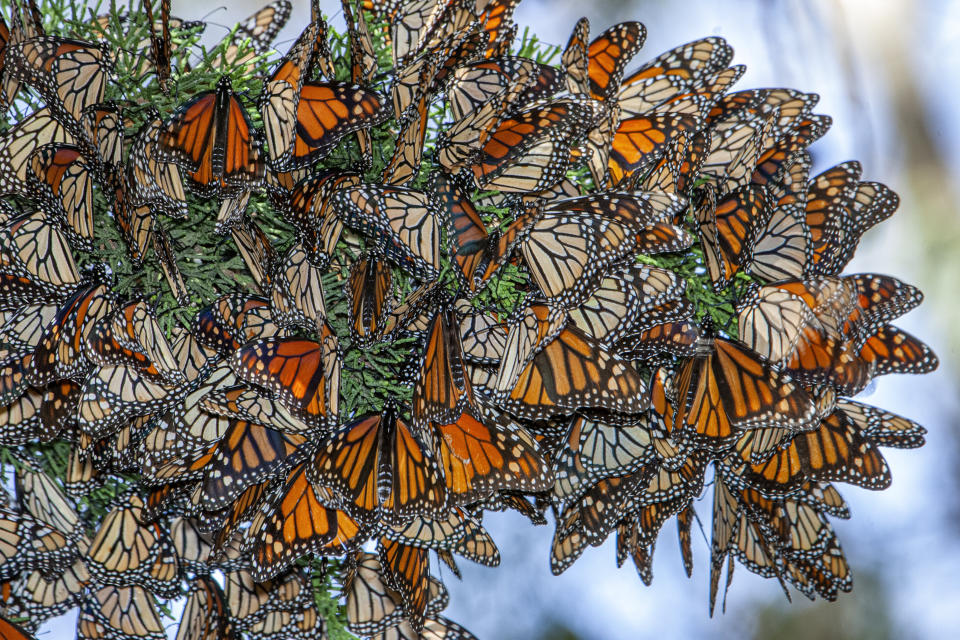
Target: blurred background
{"points": [[886, 72]]}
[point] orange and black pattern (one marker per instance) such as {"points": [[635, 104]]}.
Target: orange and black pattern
{"points": [[450, 276]]}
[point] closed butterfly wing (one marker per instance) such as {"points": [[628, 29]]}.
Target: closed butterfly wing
{"points": [[572, 372], [368, 289], [290, 368], [402, 222], [326, 112], [481, 456], [298, 522]]}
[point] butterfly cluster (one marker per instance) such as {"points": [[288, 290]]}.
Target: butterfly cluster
{"points": [[472, 281]]}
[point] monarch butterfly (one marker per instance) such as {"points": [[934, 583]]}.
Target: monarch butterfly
{"points": [[730, 389], [465, 228], [880, 299], [407, 570], [530, 151], [640, 141], [530, 328], [124, 552], [403, 223], [474, 84], [773, 323], [296, 298], [642, 555], [594, 450], [873, 203], [608, 54], [247, 454], [775, 160], [441, 390], [729, 228], [882, 427], [381, 468], [307, 624], [784, 247], [294, 370], [363, 67], [482, 333], [281, 92], [892, 350], [13, 364], [243, 403], [828, 196], [205, 615], [558, 380], [22, 328], [432, 533], [19, 143], [131, 335], [480, 455], [70, 74], [259, 29], [296, 522], [825, 575], [256, 250], [408, 149], [367, 291], [149, 178], [193, 358], [113, 394], [371, 607], [36, 263], [693, 92], [226, 523], [467, 136], [31, 544], [80, 477], [618, 299], [233, 320], [193, 550], [422, 24], [39, 598], [688, 62], [412, 317], [309, 202], [119, 612], [211, 137], [567, 546], [564, 252], [250, 602], [421, 78], [835, 451], [44, 500], [327, 111], [575, 60], [162, 246], [363, 58], [819, 353], [799, 528], [61, 180]]}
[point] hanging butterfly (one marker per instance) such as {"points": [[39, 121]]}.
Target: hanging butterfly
{"points": [[403, 223], [71, 75], [211, 137], [294, 370], [367, 290], [729, 389], [252, 37], [391, 473]]}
